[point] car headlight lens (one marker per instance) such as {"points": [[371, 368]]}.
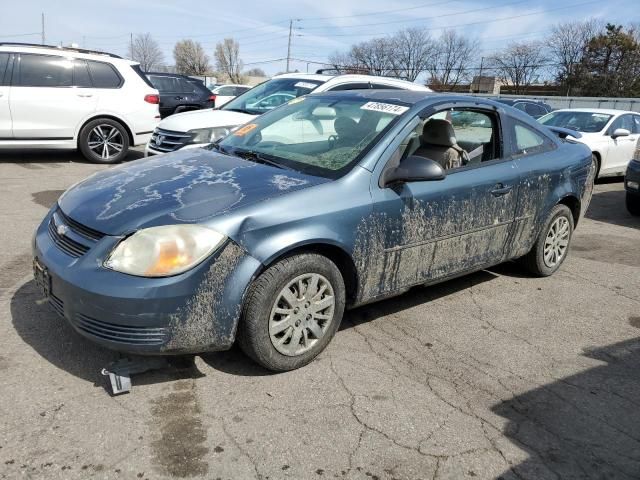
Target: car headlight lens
{"points": [[209, 135], [164, 251]]}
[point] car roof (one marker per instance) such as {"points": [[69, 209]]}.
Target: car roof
{"points": [[410, 97], [606, 111], [349, 77], [65, 51]]}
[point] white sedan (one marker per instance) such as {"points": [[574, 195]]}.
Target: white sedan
{"points": [[612, 135], [226, 93]]}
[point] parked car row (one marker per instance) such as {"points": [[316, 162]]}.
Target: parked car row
{"points": [[199, 128]]}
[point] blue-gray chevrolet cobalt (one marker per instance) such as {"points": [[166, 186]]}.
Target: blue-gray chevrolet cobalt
{"points": [[326, 203]]}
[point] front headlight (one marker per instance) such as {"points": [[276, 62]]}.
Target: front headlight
{"points": [[209, 135], [164, 251]]}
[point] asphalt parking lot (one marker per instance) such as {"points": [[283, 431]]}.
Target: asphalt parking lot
{"points": [[493, 375]]}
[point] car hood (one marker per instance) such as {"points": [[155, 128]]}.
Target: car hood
{"points": [[206, 118], [183, 187]]}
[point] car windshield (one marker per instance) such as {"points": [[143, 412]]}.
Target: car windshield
{"points": [[588, 122], [315, 135], [271, 94]]}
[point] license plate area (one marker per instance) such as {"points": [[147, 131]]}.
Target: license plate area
{"points": [[42, 278]]}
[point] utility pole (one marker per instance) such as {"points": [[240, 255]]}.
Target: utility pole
{"points": [[289, 44], [480, 74], [131, 45], [42, 18]]}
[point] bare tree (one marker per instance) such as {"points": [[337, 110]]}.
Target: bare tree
{"points": [[373, 56], [228, 60], [190, 58], [567, 45], [413, 51], [451, 61], [255, 72], [519, 64], [145, 50]]}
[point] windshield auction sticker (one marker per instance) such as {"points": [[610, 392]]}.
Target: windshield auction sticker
{"points": [[305, 85], [241, 132], [384, 107]]}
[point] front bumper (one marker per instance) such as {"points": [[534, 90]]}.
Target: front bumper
{"points": [[632, 178], [196, 311]]}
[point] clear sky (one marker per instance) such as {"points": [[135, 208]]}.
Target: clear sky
{"points": [[321, 26]]}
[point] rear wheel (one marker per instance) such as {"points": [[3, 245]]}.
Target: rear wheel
{"points": [[292, 312], [633, 204], [104, 141], [552, 246], [596, 161]]}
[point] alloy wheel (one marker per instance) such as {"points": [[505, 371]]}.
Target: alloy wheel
{"points": [[106, 141], [556, 242]]}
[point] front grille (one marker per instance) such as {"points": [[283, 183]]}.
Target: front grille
{"points": [[57, 304], [168, 140], [86, 232], [122, 334], [60, 226]]}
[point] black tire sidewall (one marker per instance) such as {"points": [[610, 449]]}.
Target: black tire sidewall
{"points": [[541, 267], [633, 204], [83, 141], [254, 329]]}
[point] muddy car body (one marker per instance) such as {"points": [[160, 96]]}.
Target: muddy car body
{"points": [[300, 241]]}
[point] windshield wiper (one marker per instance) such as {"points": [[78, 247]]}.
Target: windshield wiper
{"points": [[239, 110], [254, 156]]}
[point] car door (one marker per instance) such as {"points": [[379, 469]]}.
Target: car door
{"points": [[621, 149], [6, 60], [437, 229], [44, 102], [539, 174]]}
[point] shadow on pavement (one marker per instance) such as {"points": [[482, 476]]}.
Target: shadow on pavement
{"points": [[608, 206], [30, 159], [583, 426], [55, 340]]}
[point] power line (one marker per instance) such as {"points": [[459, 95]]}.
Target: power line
{"points": [[464, 12], [382, 12], [481, 22]]}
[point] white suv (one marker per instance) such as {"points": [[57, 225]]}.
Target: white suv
{"points": [[199, 128], [64, 98]]}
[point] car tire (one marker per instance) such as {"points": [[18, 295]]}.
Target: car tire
{"points": [[92, 143], [596, 161], [633, 204], [553, 243], [271, 325]]}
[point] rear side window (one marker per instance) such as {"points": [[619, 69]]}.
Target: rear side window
{"points": [[535, 110], [636, 124], [186, 86], [350, 86], [227, 91], [382, 86], [530, 142], [4, 62], [521, 106], [44, 71], [138, 70], [81, 76], [241, 90], [104, 75], [165, 84]]}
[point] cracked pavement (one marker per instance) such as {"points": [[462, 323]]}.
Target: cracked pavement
{"points": [[493, 375]]}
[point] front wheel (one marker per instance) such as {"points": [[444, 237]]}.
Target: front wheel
{"points": [[104, 141], [552, 246], [633, 204], [292, 312]]}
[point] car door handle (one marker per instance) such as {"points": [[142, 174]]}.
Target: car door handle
{"points": [[500, 190], [179, 98], [85, 95]]}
